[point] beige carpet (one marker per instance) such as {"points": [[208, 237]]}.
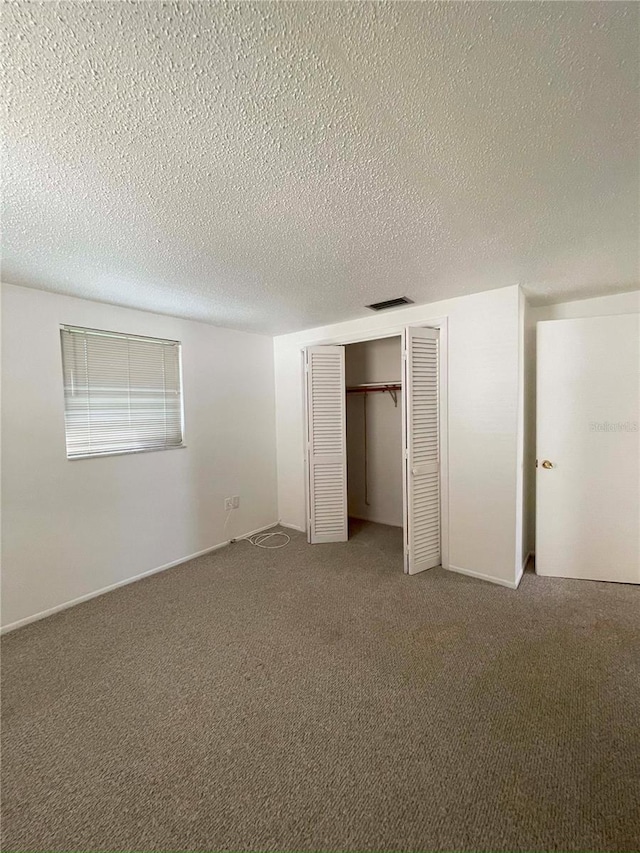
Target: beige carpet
{"points": [[314, 698]]}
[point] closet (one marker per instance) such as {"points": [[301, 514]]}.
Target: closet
{"points": [[376, 441], [373, 376]]}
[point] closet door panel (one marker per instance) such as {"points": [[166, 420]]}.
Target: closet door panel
{"points": [[422, 479], [326, 444]]}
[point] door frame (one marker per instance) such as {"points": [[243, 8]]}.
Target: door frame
{"points": [[442, 324]]}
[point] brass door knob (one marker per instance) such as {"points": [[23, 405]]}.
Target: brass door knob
{"points": [[547, 464]]}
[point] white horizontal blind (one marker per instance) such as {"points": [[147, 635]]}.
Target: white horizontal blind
{"points": [[122, 393]]}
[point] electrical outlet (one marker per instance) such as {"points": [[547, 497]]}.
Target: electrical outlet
{"points": [[228, 504], [235, 500]]}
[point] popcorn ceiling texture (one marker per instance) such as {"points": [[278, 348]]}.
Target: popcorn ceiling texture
{"points": [[272, 167]]}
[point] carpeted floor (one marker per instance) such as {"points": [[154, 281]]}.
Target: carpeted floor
{"points": [[315, 698]]}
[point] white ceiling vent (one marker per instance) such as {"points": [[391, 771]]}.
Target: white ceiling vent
{"points": [[391, 303]]}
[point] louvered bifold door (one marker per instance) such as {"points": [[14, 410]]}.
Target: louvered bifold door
{"points": [[327, 451], [422, 450]]}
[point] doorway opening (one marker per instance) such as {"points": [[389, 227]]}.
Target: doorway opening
{"points": [[373, 378], [356, 422]]}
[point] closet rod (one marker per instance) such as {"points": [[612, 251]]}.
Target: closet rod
{"points": [[377, 387]]}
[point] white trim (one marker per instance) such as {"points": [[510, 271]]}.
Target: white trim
{"points": [[12, 626], [405, 454], [523, 568], [480, 576], [292, 526], [520, 504], [254, 532], [441, 323], [82, 456], [372, 335], [305, 421], [443, 353]]}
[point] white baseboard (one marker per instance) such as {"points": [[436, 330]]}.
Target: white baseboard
{"points": [[292, 526], [254, 532], [12, 626], [481, 577], [523, 569]]}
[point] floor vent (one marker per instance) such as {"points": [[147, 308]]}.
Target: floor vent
{"points": [[391, 303]]}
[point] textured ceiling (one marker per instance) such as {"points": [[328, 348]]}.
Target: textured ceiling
{"points": [[275, 166]]}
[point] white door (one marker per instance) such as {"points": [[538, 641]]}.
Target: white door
{"points": [[326, 444], [422, 450], [588, 449]]}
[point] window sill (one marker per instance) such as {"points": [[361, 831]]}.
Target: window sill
{"points": [[124, 452]]}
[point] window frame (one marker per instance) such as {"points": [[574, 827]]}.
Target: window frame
{"points": [[71, 327]]}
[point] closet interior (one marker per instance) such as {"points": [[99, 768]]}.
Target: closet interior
{"points": [[373, 375]]}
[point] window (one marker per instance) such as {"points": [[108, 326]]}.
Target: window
{"points": [[122, 393]]}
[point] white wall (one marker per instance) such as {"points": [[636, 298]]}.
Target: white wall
{"points": [[375, 361], [71, 528], [483, 332], [600, 306], [521, 520], [529, 474]]}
